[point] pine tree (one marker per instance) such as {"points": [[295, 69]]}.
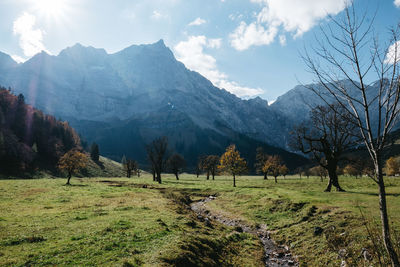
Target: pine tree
{"points": [[95, 152]]}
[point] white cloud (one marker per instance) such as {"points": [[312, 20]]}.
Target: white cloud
{"points": [[282, 40], [214, 43], [397, 3], [393, 54], [293, 16], [192, 54], [18, 59], [197, 22], [253, 34], [158, 15], [30, 39]]}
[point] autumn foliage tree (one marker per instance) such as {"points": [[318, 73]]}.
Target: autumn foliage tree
{"points": [[71, 162], [283, 170], [351, 170], [231, 162], [392, 166], [273, 166]]}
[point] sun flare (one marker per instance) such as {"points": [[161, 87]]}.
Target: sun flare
{"points": [[51, 8]]}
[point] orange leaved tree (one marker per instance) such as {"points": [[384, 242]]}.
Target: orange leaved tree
{"points": [[273, 166], [71, 162], [232, 162]]}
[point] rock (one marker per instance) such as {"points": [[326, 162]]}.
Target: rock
{"points": [[343, 263], [342, 253], [318, 230], [365, 254], [290, 262], [199, 217]]}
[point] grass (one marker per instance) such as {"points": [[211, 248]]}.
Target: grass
{"points": [[115, 221]]}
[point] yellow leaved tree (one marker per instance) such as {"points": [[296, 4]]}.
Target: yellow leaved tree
{"points": [[71, 162], [232, 162], [392, 166], [273, 166]]}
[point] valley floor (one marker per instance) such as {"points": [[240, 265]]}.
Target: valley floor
{"points": [[134, 222]]}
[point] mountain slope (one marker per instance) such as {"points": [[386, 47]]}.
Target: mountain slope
{"points": [[129, 137]]}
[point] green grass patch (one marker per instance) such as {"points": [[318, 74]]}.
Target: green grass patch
{"points": [[119, 222]]}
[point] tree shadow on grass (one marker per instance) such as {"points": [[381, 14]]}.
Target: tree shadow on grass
{"points": [[77, 185], [373, 194]]}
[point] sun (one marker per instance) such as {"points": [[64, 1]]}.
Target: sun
{"points": [[51, 8]]}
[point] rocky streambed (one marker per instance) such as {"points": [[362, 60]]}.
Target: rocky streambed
{"points": [[275, 255]]}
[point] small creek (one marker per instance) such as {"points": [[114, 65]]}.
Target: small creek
{"points": [[275, 255]]}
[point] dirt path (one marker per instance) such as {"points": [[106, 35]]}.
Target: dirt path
{"points": [[274, 255]]}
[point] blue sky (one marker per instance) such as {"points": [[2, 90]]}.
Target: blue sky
{"points": [[249, 47]]}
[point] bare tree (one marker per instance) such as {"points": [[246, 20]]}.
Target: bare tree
{"points": [[156, 153], [347, 57], [211, 165], [329, 134], [176, 163]]}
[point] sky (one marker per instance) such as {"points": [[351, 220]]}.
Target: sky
{"points": [[248, 47]]}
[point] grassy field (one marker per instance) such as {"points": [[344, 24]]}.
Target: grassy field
{"points": [[118, 222]]}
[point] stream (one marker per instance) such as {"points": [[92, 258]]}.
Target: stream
{"points": [[275, 255]]}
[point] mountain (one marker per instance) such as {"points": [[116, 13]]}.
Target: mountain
{"points": [[103, 94], [184, 137], [297, 103]]}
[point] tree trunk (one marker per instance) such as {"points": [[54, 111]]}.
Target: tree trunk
{"points": [[128, 173], [159, 177], [208, 175], [276, 181], [213, 175], [234, 181], [176, 175], [265, 176], [69, 178], [384, 218], [154, 176], [333, 179]]}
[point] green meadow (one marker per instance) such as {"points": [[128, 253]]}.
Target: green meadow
{"points": [[136, 222]]}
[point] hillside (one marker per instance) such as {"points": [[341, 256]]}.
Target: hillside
{"points": [[130, 137], [30, 139]]}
